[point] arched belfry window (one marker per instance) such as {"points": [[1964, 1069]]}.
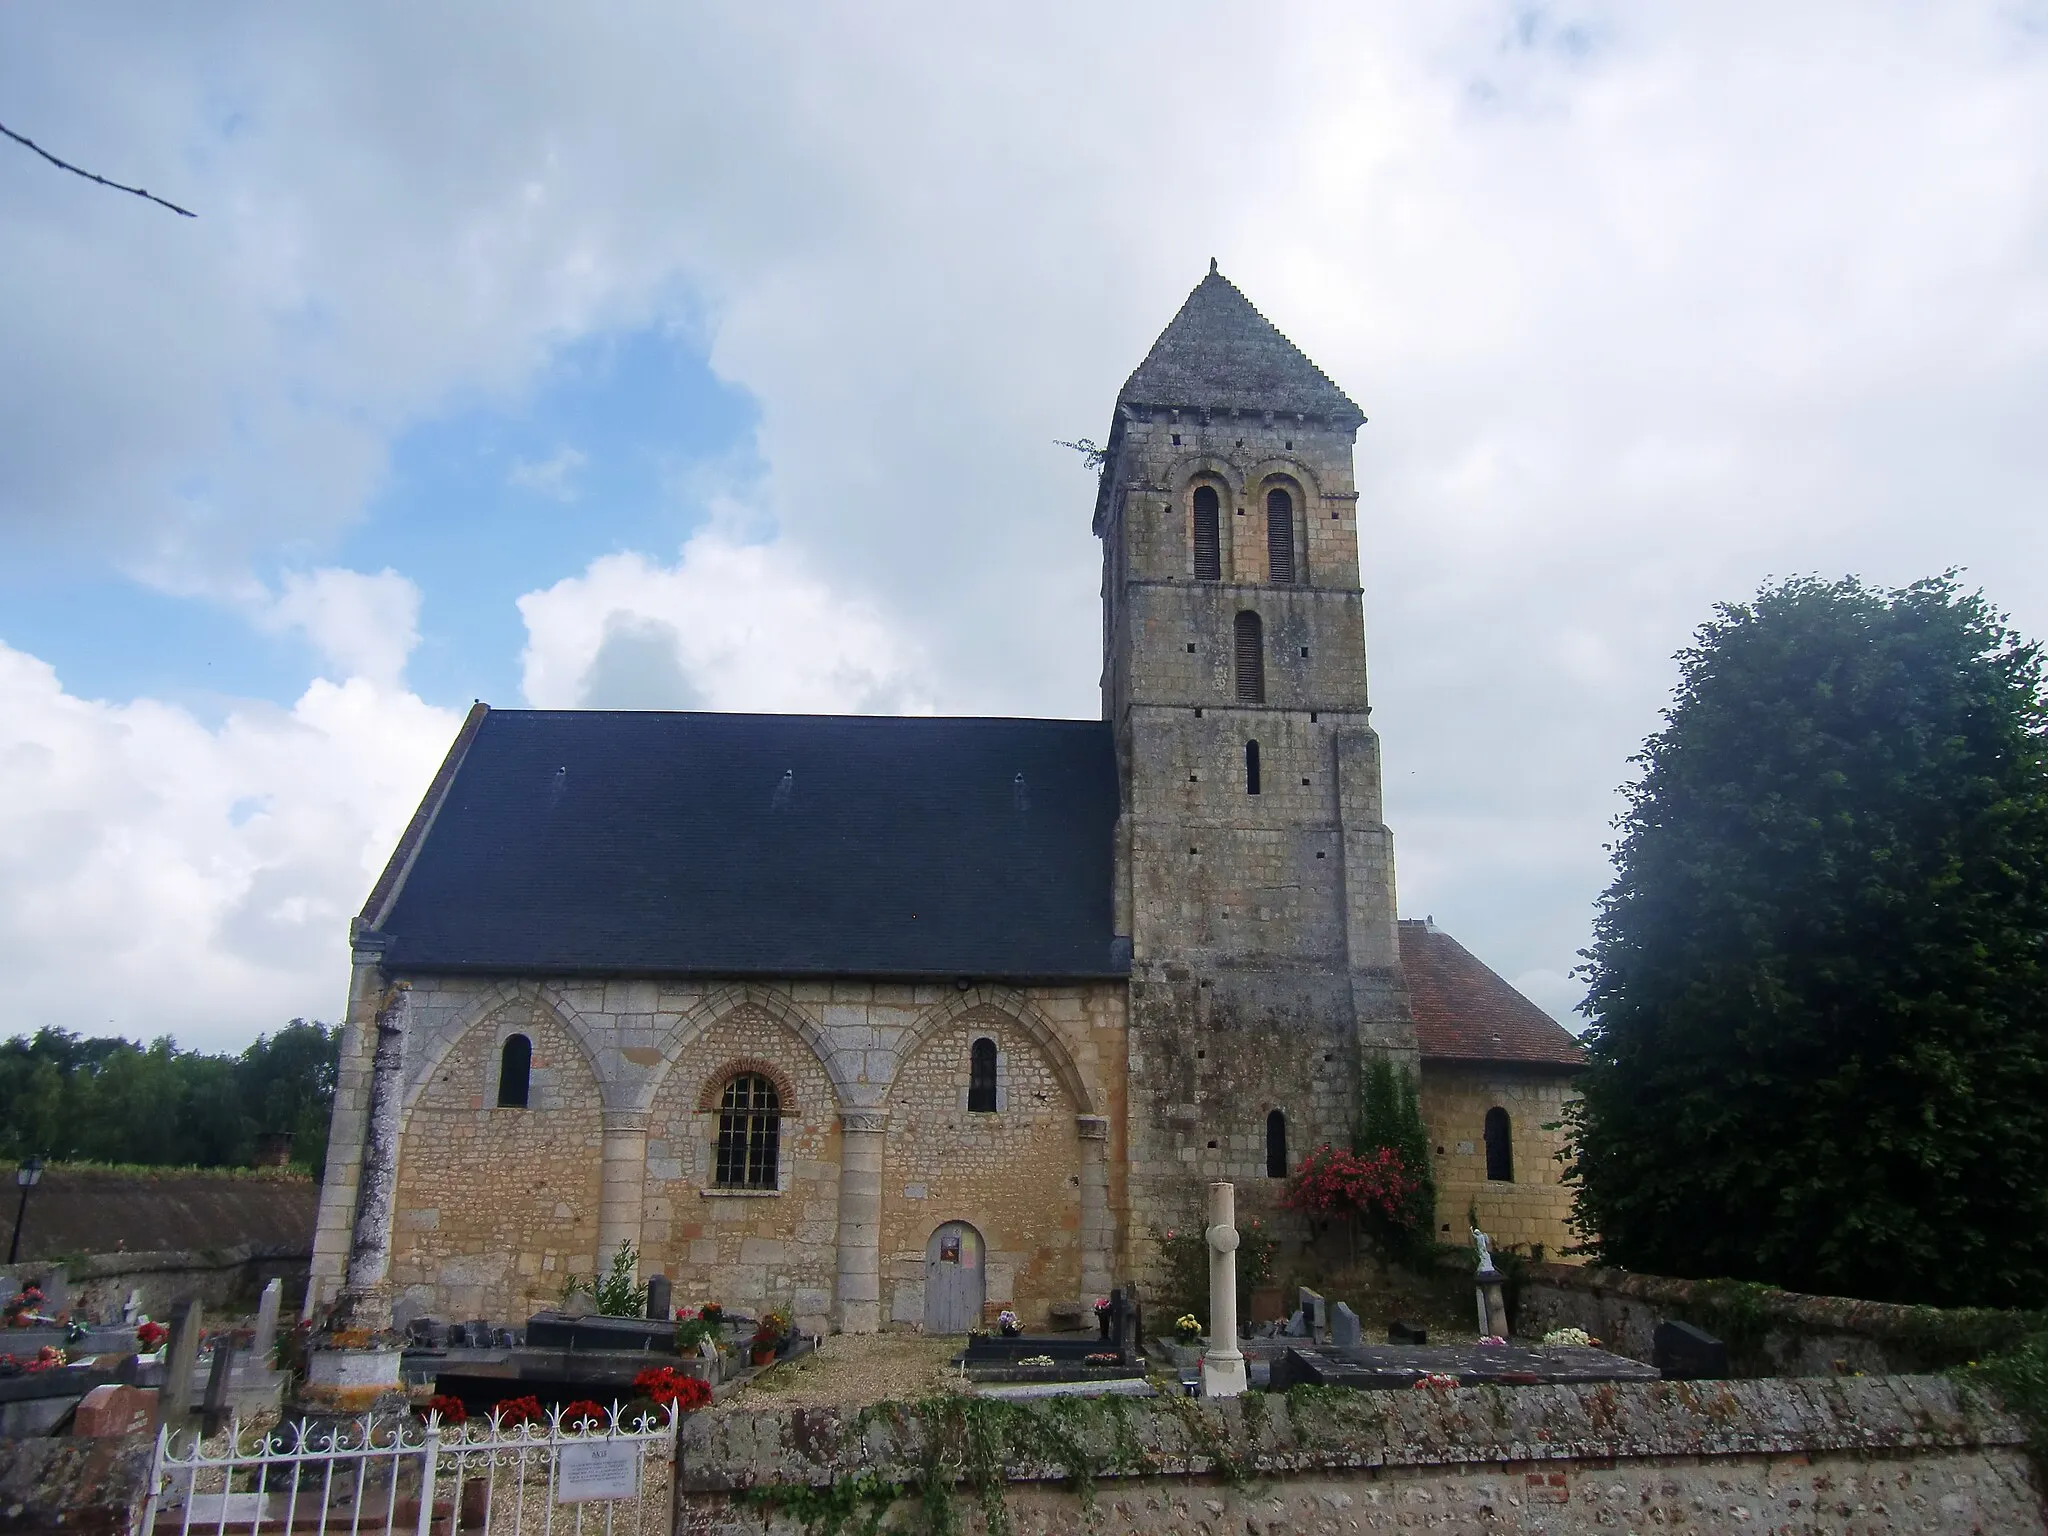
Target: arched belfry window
{"points": [[981, 1078], [749, 1133], [1251, 767], [1500, 1146], [1208, 534], [1276, 1145], [1251, 659], [515, 1072], [1279, 537]]}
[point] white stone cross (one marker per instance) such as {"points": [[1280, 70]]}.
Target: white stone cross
{"points": [[1223, 1366]]}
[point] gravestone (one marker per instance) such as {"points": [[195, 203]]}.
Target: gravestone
{"points": [[266, 1323], [1685, 1353], [505, 1338], [1343, 1327], [1406, 1333], [1120, 1324], [1315, 1313], [181, 1359], [114, 1409], [1297, 1325], [476, 1334], [657, 1298], [220, 1380], [131, 1309]]}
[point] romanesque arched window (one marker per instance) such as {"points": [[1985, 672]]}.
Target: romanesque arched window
{"points": [[1500, 1147], [515, 1072], [1251, 659], [1251, 767], [1276, 1145], [749, 1133], [981, 1078], [1279, 536], [1208, 534]]}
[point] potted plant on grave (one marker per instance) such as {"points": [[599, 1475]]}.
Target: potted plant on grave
{"points": [[769, 1335], [1008, 1322], [1186, 1347], [1102, 1316]]}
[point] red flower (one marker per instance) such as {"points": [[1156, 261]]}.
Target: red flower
{"points": [[150, 1335], [450, 1408], [584, 1414], [1334, 1182], [514, 1411]]}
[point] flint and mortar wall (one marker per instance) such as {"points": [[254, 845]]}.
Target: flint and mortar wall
{"points": [[1769, 1332], [225, 1281], [1899, 1454]]}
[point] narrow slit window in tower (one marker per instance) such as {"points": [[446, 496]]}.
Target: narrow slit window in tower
{"points": [[1251, 659], [1279, 537], [981, 1078], [1500, 1149], [1251, 767], [515, 1071], [1276, 1145], [1208, 542]]}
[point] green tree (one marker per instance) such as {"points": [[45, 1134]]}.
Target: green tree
{"points": [[1818, 1055], [1390, 1116]]}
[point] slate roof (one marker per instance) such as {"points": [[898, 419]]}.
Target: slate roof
{"points": [[1465, 1012], [598, 841], [1220, 353]]}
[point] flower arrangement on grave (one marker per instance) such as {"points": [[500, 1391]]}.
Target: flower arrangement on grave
{"points": [[693, 1328], [1435, 1381], [769, 1333], [1187, 1328], [26, 1307], [1038, 1360], [48, 1358], [515, 1411], [149, 1336], [1493, 1341], [584, 1415], [1006, 1320], [1106, 1357], [664, 1384], [446, 1405], [1560, 1336], [1102, 1316]]}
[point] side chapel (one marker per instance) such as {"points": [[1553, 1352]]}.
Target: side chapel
{"points": [[897, 1021]]}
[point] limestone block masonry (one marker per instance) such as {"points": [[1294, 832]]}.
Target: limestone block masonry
{"points": [[1261, 910], [497, 1207]]}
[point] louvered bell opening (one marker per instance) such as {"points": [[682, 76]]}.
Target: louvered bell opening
{"points": [[1251, 660], [1208, 538], [1280, 537]]}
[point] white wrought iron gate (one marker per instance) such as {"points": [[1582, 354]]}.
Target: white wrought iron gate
{"points": [[386, 1476]]}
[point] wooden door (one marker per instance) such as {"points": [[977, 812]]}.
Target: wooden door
{"points": [[955, 1279]]}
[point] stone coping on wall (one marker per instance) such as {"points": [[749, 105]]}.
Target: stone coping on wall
{"points": [[1833, 1314], [1316, 1430]]}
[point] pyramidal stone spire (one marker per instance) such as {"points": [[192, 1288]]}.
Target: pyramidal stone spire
{"points": [[1220, 354]]}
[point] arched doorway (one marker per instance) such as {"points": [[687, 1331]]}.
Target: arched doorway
{"points": [[955, 1279]]}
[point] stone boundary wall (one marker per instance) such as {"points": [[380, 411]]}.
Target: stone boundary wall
{"points": [[89, 1487], [77, 1210], [223, 1280], [1862, 1454], [1769, 1332]]}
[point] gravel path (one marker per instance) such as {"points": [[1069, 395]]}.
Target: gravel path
{"points": [[850, 1370]]}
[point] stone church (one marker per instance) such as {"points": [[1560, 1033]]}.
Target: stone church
{"points": [[895, 1022]]}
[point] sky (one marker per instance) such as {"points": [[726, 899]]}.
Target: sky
{"points": [[718, 356]]}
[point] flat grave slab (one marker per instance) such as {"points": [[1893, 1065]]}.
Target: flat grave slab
{"points": [[1387, 1367]]}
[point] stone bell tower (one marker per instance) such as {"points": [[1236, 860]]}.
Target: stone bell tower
{"points": [[1255, 874]]}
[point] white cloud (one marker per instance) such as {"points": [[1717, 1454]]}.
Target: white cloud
{"points": [[1644, 304], [729, 626], [362, 626], [553, 476], [158, 875]]}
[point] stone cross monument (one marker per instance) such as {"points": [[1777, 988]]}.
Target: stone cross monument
{"points": [[1223, 1366]]}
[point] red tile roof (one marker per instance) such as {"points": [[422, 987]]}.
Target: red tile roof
{"points": [[1465, 1012]]}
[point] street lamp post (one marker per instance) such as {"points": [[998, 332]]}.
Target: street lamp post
{"points": [[27, 1176]]}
